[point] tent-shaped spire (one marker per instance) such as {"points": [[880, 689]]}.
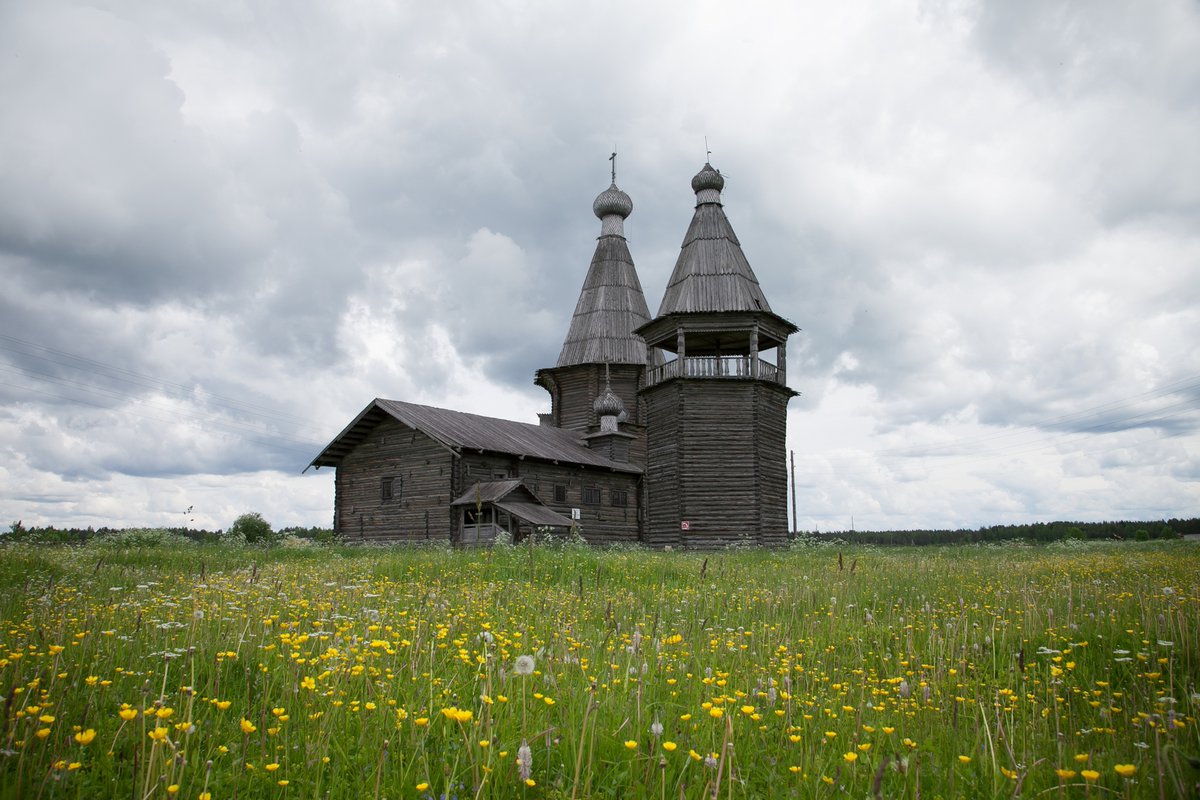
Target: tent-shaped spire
{"points": [[712, 273], [611, 304]]}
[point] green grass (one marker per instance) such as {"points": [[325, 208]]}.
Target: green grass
{"points": [[343, 673]]}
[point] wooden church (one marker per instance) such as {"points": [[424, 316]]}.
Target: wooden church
{"points": [[669, 431]]}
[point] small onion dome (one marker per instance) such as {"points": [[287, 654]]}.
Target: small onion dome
{"points": [[707, 178], [608, 404], [612, 201]]}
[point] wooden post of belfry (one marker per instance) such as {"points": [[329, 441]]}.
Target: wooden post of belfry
{"points": [[795, 530]]}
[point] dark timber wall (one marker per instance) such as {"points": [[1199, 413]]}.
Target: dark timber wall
{"points": [[716, 459], [419, 505], [574, 389]]}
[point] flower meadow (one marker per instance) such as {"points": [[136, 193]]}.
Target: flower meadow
{"points": [[208, 673]]}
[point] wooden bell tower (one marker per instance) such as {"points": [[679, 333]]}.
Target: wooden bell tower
{"points": [[716, 407]]}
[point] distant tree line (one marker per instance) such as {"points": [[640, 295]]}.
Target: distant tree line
{"points": [[1032, 532], [251, 528]]}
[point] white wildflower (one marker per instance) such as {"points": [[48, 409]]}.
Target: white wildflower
{"points": [[524, 761], [524, 665]]}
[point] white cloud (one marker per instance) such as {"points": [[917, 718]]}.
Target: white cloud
{"points": [[225, 228]]}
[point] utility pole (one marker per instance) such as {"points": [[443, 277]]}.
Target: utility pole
{"points": [[795, 529]]}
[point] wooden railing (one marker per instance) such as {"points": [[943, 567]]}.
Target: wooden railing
{"points": [[729, 367]]}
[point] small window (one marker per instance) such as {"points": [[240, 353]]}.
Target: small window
{"points": [[560, 493], [390, 489], [618, 497], [591, 495]]}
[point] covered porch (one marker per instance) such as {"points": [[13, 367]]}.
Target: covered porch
{"points": [[489, 508]]}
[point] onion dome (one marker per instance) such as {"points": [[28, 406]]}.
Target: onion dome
{"points": [[612, 201], [608, 404], [707, 178]]}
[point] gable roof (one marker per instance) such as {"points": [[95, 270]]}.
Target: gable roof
{"points": [[458, 430], [491, 491]]}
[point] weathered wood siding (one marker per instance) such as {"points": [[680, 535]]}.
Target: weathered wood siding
{"points": [[576, 389], [600, 523], [716, 460], [420, 509]]}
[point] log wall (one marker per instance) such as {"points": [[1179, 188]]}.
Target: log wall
{"points": [[716, 459], [576, 388], [418, 511]]}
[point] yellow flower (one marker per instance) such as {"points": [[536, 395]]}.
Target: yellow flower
{"points": [[282, 781], [127, 714], [747, 710], [1065, 774], [631, 744], [158, 734], [850, 757], [73, 765], [85, 737], [830, 735], [1081, 757], [965, 759], [46, 719], [422, 786], [685, 717], [421, 722], [485, 743], [223, 704], [1090, 775], [1125, 770], [204, 796], [716, 712], [248, 727], [270, 767], [457, 714], [669, 746], [530, 782], [173, 788], [307, 683], [864, 747]]}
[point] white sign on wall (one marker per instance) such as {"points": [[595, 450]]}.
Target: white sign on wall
{"points": [[574, 513]]}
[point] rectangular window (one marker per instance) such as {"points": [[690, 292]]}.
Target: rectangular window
{"points": [[390, 489], [591, 495], [618, 497], [560, 493]]}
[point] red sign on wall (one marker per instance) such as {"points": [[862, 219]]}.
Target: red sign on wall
{"points": [[685, 525]]}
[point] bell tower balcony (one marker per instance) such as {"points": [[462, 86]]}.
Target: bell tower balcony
{"points": [[721, 346]]}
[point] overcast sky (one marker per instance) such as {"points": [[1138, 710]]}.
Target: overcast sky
{"points": [[225, 227]]}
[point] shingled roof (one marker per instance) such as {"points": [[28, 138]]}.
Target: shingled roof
{"points": [[712, 273], [458, 430], [611, 304]]}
